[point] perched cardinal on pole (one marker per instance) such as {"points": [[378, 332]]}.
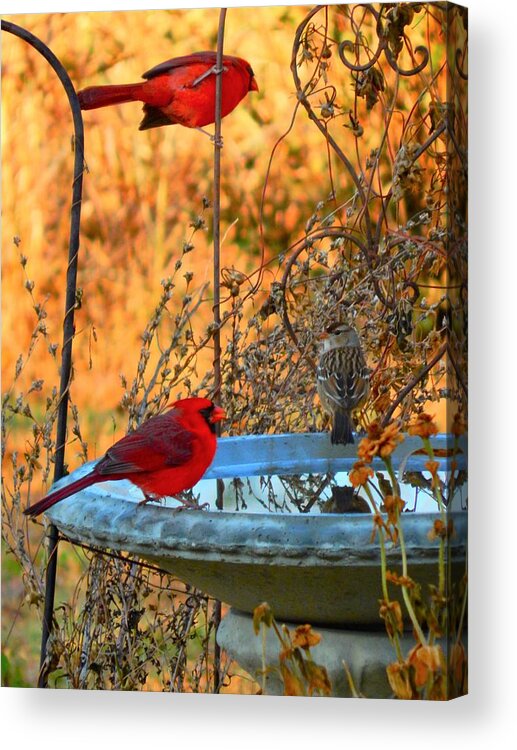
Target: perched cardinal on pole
{"points": [[167, 454], [179, 91]]}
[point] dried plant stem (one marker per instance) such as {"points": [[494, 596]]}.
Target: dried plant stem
{"points": [[407, 601], [382, 542], [355, 693], [443, 516], [264, 660], [183, 646], [413, 382]]}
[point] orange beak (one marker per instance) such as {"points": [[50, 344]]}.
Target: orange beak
{"points": [[323, 335], [254, 85], [217, 414]]}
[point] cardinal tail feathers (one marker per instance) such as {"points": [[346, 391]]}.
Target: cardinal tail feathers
{"points": [[55, 497], [102, 96]]}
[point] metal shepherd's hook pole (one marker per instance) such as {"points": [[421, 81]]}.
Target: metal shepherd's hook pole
{"points": [[217, 287], [68, 323]]}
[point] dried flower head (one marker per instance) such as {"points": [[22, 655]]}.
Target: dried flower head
{"points": [[459, 426], [360, 474], [432, 467], [440, 530], [232, 279], [400, 682], [391, 613], [262, 613], [423, 426], [380, 441], [426, 661], [393, 505], [305, 637], [393, 577]]}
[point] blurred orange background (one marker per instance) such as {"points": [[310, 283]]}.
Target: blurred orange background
{"points": [[142, 191]]}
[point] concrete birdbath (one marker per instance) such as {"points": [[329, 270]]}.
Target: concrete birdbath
{"points": [[316, 568]]}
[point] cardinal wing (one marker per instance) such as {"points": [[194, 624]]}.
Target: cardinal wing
{"points": [[180, 62], [161, 442]]}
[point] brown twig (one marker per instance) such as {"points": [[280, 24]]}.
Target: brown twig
{"points": [[413, 382]]}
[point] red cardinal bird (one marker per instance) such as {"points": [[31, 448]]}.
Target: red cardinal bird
{"points": [[181, 90], [165, 455]]}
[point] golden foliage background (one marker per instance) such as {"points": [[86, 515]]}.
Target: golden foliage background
{"points": [[142, 193], [141, 189]]}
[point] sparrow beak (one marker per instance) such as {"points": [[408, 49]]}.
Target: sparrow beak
{"points": [[217, 414], [323, 336], [254, 84]]}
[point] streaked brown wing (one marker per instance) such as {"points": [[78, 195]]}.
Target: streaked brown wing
{"points": [[347, 387]]}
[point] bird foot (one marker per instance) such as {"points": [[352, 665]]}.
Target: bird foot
{"points": [[213, 138], [185, 504], [190, 505], [148, 499], [214, 70], [193, 506]]}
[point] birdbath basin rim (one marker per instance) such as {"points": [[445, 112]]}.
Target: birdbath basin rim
{"points": [[318, 568]]}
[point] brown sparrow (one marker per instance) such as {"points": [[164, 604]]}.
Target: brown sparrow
{"points": [[342, 378]]}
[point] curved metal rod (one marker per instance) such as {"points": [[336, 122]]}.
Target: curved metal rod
{"points": [[366, 66], [301, 93], [380, 48], [217, 292], [68, 320], [410, 71], [303, 244], [418, 153]]}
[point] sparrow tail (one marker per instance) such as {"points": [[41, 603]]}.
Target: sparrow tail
{"points": [[341, 428]]}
